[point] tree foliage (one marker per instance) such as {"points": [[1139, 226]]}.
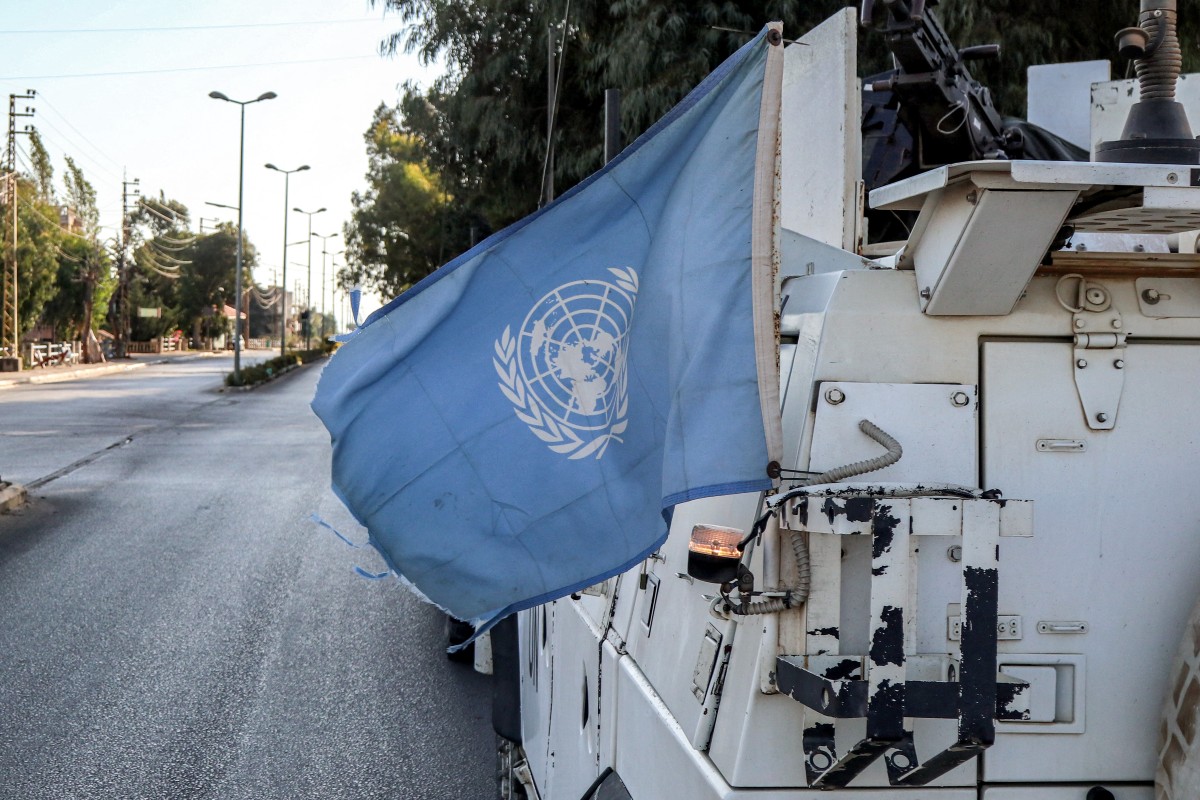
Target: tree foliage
{"points": [[42, 167], [405, 224], [208, 283], [37, 247], [161, 248], [480, 130]]}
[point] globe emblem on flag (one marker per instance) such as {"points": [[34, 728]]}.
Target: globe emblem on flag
{"points": [[565, 370]]}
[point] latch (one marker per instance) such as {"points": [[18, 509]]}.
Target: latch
{"points": [[1099, 352]]}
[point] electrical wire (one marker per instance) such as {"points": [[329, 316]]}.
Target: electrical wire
{"points": [[56, 223], [43, 100]]}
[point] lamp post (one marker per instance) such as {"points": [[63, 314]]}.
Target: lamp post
{"points": [[287, 176], [308, 295], [324, 252], [237, 292]]}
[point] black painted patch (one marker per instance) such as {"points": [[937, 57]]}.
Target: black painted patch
{"points": [[887, 642], [825, 632], [978, 665], [859, 509], [883, 531], [848, 668], [800, 511], [879, 571]]}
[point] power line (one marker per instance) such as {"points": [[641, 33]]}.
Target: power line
{"points": [[182, 69], [69, 147], [82, 135], [34, 31]]}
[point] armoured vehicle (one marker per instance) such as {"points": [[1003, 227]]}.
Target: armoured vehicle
{"points": [[976, 579]]}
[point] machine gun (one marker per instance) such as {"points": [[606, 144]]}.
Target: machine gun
{"points": [[930, 111]]}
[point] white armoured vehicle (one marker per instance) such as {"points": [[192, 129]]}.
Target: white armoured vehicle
{"points": [[978, 575]]}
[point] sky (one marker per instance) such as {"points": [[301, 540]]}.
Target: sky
{"points": [[122, 87]]}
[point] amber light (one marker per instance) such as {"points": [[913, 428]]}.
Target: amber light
{"points": [[713, 540]]}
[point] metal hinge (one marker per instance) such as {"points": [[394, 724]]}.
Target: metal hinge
{"points": [[1099, 366]]}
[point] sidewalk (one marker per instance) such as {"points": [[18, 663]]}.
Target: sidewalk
{"points": [[72, 372]]}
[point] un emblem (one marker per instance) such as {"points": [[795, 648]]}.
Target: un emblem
{"points": [[564, 371]]}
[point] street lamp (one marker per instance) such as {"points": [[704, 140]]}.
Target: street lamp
{"points": [[308, 296], [324, 244], [287, 176], [237, 343]]}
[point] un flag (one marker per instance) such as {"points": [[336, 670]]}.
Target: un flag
{"points": [[518, 425]]}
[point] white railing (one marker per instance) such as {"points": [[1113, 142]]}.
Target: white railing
{"points": [[54, 354]]}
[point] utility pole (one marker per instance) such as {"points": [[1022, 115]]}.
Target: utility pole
{"points": [[10, 330], [123, 325]]}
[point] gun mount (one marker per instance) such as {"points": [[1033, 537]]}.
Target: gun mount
{"points": [[930, 111]]}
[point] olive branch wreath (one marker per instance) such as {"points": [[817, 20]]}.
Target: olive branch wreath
{"points": [[557, 436]]}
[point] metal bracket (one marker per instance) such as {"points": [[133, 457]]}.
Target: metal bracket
{"points": [[890, 684]]}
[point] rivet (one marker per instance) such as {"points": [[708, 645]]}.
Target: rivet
{"points": [[1102, 417], [926, 293], [1139, 248], [1116, 323], [972, 197], [955, 553], [959, 399], [1119, 363], [1172, 177], [835, 396], [1081, 363]]}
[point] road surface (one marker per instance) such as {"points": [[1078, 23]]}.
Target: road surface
{"points": [[174, 626]]}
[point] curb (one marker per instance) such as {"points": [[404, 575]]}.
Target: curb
{"points": [[12, 497]]}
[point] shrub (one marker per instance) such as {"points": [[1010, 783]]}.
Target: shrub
{"points": [[276, 366]]}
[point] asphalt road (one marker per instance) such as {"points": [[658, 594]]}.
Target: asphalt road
{"points": [[173, 626]]}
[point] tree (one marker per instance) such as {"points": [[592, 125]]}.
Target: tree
{"points": [[207, 285], [89, 268], [81, 198], [481, 129], [162, 248], [405, 224], [38, 238], [43, 169]]}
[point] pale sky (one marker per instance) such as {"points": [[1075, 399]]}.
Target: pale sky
{"points": [[122, 87]]}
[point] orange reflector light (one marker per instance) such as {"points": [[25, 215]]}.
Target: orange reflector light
{"points": [[713, 540]]}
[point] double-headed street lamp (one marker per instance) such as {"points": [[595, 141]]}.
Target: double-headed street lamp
{"points": [[237, 343], [324, 252], [308, 296], [287, 175]]}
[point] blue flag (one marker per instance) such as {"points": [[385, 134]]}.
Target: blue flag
{"points": [[518, 425]]}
